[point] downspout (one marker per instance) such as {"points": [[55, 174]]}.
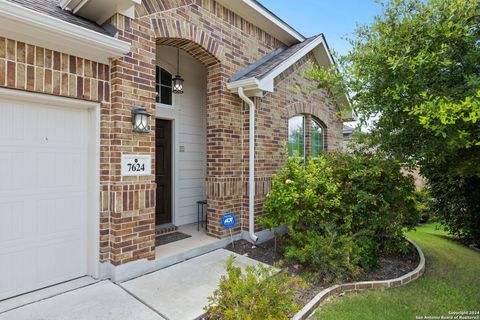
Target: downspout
{"points": [[251, 179]]}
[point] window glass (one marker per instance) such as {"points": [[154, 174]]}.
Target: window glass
{"points": [[296, 136], [163, 86], [318, 139]]}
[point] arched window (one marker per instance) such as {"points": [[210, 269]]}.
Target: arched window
{"points": [[296, 136], [163, 85], [318, 138], [306, 136]]}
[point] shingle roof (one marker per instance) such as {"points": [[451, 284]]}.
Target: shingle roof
{"points": [[52, 8], [264, 66]]}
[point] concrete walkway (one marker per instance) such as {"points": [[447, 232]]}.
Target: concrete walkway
{"points": [[101, 301], [176, 293], [180, 292]]}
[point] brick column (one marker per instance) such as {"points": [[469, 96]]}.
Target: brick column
{"points": [[132, 205], [224, 151]]}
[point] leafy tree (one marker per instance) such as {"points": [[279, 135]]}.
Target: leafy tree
{"points": [[416, 71]]}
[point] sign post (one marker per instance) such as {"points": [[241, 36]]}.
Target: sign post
{"points": [[229, 221]]}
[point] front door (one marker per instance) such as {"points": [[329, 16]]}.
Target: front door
{"points": [[163, 172]]}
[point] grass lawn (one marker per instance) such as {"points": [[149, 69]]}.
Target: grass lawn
{"points": [[451, 283]]}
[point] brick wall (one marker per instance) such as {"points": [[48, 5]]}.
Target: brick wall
{"points": [[273, 112], [225, 43], [31, 68]]}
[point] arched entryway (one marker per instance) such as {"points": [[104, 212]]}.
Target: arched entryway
{"points": [[183, 146]]}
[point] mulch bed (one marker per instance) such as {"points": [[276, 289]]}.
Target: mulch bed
{"points": [[390, 267]]}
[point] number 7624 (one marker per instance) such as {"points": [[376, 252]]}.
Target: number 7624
{"points": [[135, 167]]}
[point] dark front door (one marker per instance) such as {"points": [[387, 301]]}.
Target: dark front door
{"points": [[163, 173]]}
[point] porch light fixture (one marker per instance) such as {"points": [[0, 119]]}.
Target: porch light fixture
{"points": [[177, 82], [140, 120]]}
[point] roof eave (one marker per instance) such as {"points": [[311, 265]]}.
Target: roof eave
{"points": [[257, 14], [100, 10], [266, 83], [32, 27]]}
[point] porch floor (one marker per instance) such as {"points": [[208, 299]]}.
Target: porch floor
{"points": [[197, 240]]}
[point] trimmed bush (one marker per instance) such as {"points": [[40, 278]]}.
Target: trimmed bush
{"points": [[343, 211], [378, 202], [256, 295]]}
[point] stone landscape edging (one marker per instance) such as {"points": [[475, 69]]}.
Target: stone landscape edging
{"points": [[474, 248], [311, 306]]}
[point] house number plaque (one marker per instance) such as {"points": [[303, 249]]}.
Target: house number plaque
{"points": [[136, 165]]}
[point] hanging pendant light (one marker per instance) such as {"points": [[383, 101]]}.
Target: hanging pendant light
{"points": [[177, 82]]}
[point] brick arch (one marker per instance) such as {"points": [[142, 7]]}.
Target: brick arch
{"points": [[189, 38], [308, 109], [312, 112]]}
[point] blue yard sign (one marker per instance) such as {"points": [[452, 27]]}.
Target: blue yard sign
{"points": [[229, 220]]}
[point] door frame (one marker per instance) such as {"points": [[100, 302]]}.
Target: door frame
{"points": [[93, 205], [169, 115]]}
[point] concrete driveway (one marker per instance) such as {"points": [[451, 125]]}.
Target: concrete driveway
{"points": [[176, 293], [103, 300]]}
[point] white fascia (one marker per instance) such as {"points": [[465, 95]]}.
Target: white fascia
{"points": [[295, 34], [32, 27], [251, 87], [264, 19]]}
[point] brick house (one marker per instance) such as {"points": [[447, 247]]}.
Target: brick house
{"points": [[81, 191]]}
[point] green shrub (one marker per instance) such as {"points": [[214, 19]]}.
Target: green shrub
{"points": [[342, 210], [378, 202], [256, 295], [305, 197], [302, 195], [334, 256]]}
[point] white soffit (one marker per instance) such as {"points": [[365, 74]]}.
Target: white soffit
{"points": [[100, 10], [32, 27], [256, 14]]}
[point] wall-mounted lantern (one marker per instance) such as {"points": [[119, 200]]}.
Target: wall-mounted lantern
{"points": [[177, 82], [140, 120]]}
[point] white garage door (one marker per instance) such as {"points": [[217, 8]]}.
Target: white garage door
{"points": [[43, 195]]}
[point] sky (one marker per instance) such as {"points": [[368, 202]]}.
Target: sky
{"points": [[334, 18]]}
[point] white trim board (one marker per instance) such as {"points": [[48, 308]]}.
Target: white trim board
{"points": [[32, 27], [264, 19]]}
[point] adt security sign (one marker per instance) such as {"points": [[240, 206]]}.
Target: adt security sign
{"points": [[229, 220]]}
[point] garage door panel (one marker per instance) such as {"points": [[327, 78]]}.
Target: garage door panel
{"points": [[11, 222], [11, 275], [43, 196], [30, 125], [11, 121]]}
